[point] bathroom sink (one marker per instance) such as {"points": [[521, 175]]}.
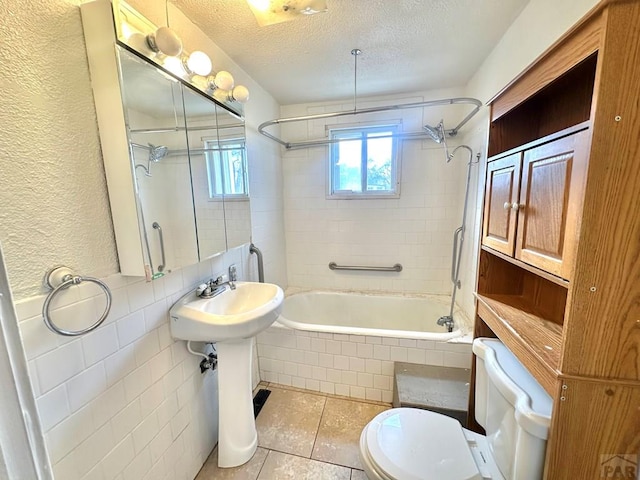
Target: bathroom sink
{"points": [[234, 314]]}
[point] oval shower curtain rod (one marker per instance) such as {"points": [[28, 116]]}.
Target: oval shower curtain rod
{"points": [[325, 141]]}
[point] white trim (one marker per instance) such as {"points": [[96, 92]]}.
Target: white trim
{"points": [[22, 449]]}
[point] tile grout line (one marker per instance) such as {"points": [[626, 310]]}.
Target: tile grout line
{"points": [[315, 438]]}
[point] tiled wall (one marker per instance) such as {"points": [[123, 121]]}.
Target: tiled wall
{"points": [[415, 230], [126, 401], [350, 365]]}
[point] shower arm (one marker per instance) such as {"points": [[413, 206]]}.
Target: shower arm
{"points": [[311, 143]]}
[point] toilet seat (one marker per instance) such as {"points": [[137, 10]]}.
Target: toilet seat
{"points": [[413, 444]]}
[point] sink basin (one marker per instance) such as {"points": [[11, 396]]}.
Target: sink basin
{"points": [[231, 319], [232, 314]]}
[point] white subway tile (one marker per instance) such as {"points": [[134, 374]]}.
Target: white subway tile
{"points": [[372, 366], [373, 394], [390, 341], [356, 364], [319, 373], [303, 343], [426, 344], [284, 379], [130, 328], [270, 377], [68, 434], [37, 339], [59, 365], [334, 376], [155, 315], [357, 392], [312, 385], [161, 364], [311, 358], [318, 345], [144, 432], [327, 387], [459, 360], [386, 368], [125, 420], [120, 364], [180, 421], [382, 382], [325, 360], [290, 368], [99, 344], [167, 409], [341, 362], [119, 304], [398, 354], [164, 336], [333, 347], [434, 357], [341, 337], [305, 371], [188, 389], [365, 380], [350, 378], [147, 347], [138, 467], [342, 390], [86, 386], [407, 342], [94, 449], [415, 355], [326, 336], [298, 382], [381, 352], [29, 307], [137, 382], [160, 444], [118, 458], [349, 349], [373, 340], [108, 404], [276, 366], [365, 350], [356, 338], [387, 396], [151, 398], [140, 295], [53, 407]]}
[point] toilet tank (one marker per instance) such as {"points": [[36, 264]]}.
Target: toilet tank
{"points": [[514, 410]]}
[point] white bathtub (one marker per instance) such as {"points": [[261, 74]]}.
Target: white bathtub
{"points": [[370, 314], [346, 343]]}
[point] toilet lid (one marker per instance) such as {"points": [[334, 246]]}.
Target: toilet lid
{"points": [[412, 444]]}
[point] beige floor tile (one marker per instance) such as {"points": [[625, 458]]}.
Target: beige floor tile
{"points": [[358, 475], [289, 421], [340, 428], [248, 471], [281, 466]]}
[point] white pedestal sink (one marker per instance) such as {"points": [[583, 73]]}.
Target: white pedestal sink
{"points": [[231, 319]]}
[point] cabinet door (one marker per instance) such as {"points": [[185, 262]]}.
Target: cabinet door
{"points": [[550, 203], [501, 190]]}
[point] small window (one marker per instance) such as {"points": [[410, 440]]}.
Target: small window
{"points": [[226, 168], [364, 162]]}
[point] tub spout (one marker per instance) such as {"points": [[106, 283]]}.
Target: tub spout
{"points": [[446, 321]]}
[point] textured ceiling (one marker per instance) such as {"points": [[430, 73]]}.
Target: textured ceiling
{"points": [[408, 45]]}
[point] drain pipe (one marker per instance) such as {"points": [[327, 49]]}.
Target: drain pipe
{"points": [[256, 250]]}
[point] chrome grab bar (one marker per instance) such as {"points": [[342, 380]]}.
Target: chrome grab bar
{"points": [[157, 226], [455, 258], [396, 268], [256, 250]]}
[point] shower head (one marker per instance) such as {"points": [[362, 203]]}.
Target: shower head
{"points": [[157, 153], [436, 133]]}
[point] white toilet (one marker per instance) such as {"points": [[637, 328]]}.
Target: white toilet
{"points": [[515, 411]]}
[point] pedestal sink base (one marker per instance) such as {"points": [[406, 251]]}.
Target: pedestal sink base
{"points": [[238, 438]]}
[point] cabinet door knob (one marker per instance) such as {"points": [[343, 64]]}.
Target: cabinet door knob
{"points": [[517, 206], [507, 205]]}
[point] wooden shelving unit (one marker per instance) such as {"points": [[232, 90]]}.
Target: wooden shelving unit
{"points": [[559, 275]]}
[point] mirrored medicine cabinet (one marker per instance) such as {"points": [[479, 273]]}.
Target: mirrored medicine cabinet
{"points": [[175, 161]]}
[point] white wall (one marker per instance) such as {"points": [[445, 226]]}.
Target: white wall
{"points": [[414, 230], [126, 401]]}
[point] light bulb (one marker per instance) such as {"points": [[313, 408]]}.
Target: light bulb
{"points": [[199, 63], [166, 41], [175, 66], [223, 80], [240, 94], [260, 5]]}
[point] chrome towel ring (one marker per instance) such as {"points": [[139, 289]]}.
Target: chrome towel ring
{"points": [[61, 278]]}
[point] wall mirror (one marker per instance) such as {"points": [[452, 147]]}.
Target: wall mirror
{"points": [[187, 158]]}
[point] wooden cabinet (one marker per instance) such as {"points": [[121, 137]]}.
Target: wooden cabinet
{"points": [[559, 275], [532, 203], [501, 191]]}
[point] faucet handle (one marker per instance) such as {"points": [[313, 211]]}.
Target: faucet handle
{"points": [[218, 280]]}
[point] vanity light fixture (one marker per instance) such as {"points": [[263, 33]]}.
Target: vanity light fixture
{"points": [[166, 41], [240, 94], [223, 80], [269, 12], [197, 63]]}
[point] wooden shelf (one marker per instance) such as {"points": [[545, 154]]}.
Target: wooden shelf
{"points": [[530, 268], [535, 340]]}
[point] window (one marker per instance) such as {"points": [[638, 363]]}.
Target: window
{"points": [[226, 168], [364, 162]]}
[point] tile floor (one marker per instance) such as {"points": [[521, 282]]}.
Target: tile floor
{"points": [[303, 435]]}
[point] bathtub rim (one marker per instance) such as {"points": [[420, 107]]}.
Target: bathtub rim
{"points": [[460, 335]]}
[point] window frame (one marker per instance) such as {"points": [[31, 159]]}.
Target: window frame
{"points": [[213, 152], [364, 129]]}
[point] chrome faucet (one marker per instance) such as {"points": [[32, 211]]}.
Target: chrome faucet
{"points": [[214, 287]]}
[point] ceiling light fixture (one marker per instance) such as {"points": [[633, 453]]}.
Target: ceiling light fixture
{"points": [[269, 12]]}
